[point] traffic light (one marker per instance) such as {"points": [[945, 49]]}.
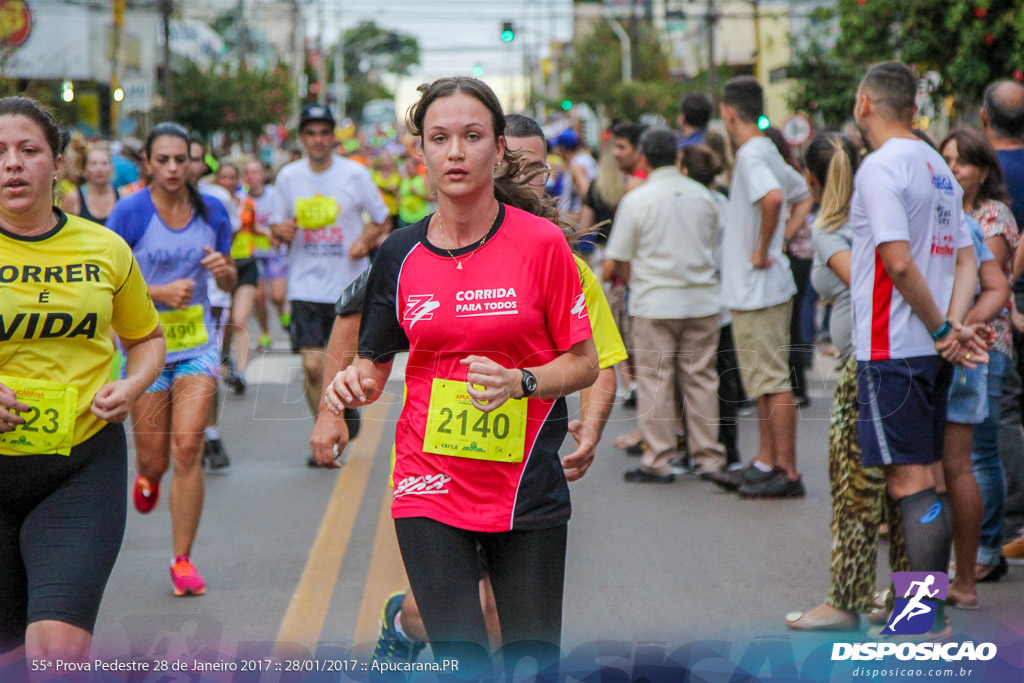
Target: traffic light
{"points": [[67, 91], [566, 105], [763, 123], [508, 32]]}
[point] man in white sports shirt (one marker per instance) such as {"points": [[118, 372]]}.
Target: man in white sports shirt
{"points": [[318, 210], [913, 278]]}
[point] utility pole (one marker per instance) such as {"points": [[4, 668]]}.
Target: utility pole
{"points": [[339, 75], [243, 33], [625, 44], [322, 73], [298, 55], [634, 37], [711, 19], [115, 72], [166, 6], [758, 56]]}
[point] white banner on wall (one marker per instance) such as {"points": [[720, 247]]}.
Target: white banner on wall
{"points": [[57, 47]]}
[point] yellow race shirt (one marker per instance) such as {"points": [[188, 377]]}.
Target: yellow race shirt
{"points": [[610, 349], [60, 294]]}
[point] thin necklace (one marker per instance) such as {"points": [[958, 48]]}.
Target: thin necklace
{"points": [[440, 228]]}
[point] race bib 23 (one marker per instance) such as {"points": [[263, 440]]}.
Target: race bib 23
{"points": [[50, 420]]}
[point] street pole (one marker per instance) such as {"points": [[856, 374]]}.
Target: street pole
{"points": [[712, 18], [633, 36], [115, 72], [165, 9], [624, 44], [758, 57], [339, 71], [243, 33], [322, 73], [298, 55]]}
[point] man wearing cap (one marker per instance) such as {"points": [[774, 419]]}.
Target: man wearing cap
{"points": [[580, 171], [319, 207]]}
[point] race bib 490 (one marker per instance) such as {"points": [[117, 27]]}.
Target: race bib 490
{"points": [[49, 425], [184, 329], [457, 428]]}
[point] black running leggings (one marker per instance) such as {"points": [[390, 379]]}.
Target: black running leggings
{"points": [[527, 570], [62, 520]]}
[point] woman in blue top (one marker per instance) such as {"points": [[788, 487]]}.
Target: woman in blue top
{"points": [[177, 236]]}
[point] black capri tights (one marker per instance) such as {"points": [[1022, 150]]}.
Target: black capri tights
{"points": [[527, 571], [62, 520]]}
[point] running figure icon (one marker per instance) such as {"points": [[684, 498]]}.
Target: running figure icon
{"points": [[915, 607], [916, 612]]}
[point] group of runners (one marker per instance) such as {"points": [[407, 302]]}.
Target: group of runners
{"points": [[500, 319]]}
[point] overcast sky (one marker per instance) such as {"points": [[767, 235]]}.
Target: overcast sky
{"points": [[455, 35]]}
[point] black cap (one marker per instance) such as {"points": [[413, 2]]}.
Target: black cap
{"points": [[315, 112]]}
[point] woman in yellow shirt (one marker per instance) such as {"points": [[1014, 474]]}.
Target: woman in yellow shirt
{"points": [[65, 283]]}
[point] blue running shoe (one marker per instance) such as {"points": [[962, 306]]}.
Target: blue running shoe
{"points": [[390, 643]]}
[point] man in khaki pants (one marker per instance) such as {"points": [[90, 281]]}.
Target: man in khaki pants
{"points": [[758, 286], [662, 243]]}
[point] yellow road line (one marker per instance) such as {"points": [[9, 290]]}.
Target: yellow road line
{"points": [[307, 610], [385, 576]]}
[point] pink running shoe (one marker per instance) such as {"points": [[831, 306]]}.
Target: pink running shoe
{"points": [[146, 494], [185, 578]]}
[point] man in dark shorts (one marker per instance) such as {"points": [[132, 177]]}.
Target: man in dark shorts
{"points": [[320, 202], [913, 278]]}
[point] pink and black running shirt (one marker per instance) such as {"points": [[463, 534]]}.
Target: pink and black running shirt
{"points": [[517, 301]]}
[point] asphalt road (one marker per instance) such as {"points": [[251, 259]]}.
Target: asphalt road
{"points": [[304, 558]]}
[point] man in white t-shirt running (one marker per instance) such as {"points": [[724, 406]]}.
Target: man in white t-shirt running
{"points": [[319, 211], [913, 278], [757, 286]]}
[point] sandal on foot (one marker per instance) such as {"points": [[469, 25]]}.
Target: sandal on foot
{"points": [[804, 621], [954, 601], [879, 614], [985, 573]]}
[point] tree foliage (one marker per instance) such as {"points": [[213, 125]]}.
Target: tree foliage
{"points": [[370, 52], [595, 75], [238, 103], [969, 43]]}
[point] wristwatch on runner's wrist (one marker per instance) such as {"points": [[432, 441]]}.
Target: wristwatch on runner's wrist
{"points": [[529, 382]]}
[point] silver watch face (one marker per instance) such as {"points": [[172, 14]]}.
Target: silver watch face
{"points": [[529, 383]]}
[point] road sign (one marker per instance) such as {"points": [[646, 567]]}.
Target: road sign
{"points": [[797, 129]]}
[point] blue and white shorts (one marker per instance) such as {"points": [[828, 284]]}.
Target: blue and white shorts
{"points": [[207, 363], [903, 405]]}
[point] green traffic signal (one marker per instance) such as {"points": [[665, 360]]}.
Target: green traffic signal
{"points": [[508, 33], [566, 105], [763, 123]]}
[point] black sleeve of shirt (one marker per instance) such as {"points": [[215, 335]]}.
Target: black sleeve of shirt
{"points": [[353, 298], [380, 334]]}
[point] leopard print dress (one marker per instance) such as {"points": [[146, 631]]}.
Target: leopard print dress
{"points": [[859, 505]]}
